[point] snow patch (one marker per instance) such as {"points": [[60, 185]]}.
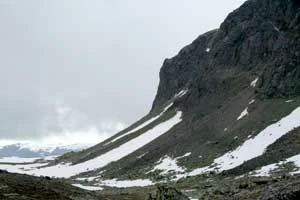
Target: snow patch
{"points": [[251, 102], [289, 101], [254, 82], [243, 114], [181, 93], [146, 123], [166, 165], [91, 188], [17, 160], [89, 179], [268, 169], [126, 183], [183, 156], [254, 146], [21, 168], [68, 170], [207, 50], [140, 156]]}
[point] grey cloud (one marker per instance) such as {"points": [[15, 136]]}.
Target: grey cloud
{"points": [[100, 58]]}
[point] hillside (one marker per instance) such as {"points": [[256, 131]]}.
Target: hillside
{"points": [[227, 106]]}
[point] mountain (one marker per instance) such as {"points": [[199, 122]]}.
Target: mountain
{"points": [[30, 150], [226, 116]]}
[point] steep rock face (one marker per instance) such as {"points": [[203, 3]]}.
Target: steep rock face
{"points": [[261, 38]]}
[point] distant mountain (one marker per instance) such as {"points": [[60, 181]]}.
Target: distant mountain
{"points": [[27, 150], [227, 111]]}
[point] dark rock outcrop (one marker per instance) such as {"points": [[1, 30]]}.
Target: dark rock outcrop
{"points": [[167, 193], [261, 38]]}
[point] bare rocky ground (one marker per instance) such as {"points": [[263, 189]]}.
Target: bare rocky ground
{"points": [[206, 187]]}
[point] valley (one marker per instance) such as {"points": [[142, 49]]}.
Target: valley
{"points": [[225, 124]]}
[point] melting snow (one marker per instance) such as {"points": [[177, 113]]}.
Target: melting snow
{"points": [[252, 101], [181, 93], [254, 82], [21, 168], [255, 146], [183, 156], [267, 170], [167, 164], [140, 156], [289, 101], [91, 188], [17, 160], [243, 114], [126, 183], [89, 179], [67, 170], [146, 123]]}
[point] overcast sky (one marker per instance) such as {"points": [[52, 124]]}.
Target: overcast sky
{"points": [[86, 69]]}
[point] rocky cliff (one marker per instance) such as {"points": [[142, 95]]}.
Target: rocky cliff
{"points": [[261, 39]]}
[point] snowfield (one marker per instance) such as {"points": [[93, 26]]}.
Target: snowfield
{"points": [[67, 170], [91, 188], [268, 169], [126, 183], [255, 146], [146, 123], [22, 168], [17, 160], [166, 165], [117, 183]]}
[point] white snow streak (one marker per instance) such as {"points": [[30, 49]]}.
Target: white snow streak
{"points": [[254, 82], [67, 170], [181, 93], [289, 101], [243, 114], [255, 146], [167, 164], [21, 168], [14, 159], [251, 102], [268, 169], [183, 156], [146, 123], [91, 188], [126, 183]]}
